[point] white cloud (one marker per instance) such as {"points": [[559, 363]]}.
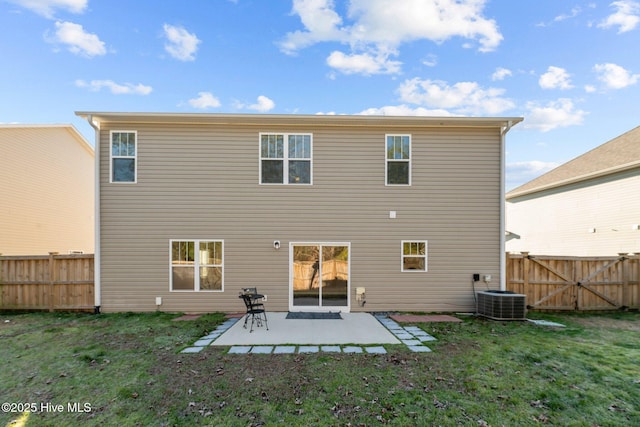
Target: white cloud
{"points": [[555, 78], [181, 44], [555, 114], [462, 97], [78, 41], [204, 100], [262, 105], [615, 76], [365, 63], [383, 25], [626, 17], [115, 88], [501, 73], [47, 8], [404, 110], [430, 60], [320, 21]]}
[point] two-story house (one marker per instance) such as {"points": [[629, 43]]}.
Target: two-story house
{"points": [[320, 213]]}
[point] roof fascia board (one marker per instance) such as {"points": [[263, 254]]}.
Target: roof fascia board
{"points": [[302, 120]]}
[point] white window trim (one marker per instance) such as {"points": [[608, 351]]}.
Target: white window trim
{"points": [[387, 160], [285, 158], [135, 158], [196, 266], [425, 256]]}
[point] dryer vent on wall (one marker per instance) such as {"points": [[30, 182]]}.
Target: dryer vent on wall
{"points": [[501, 305]]}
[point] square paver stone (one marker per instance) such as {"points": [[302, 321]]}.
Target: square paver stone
{"points": [[412, 329], [262, 349], [212, 335], [308, 349], [375, 350], [284, 349], [202, 342], [240, 349], [352, 349], [424, 338], [420, 348], [403, 335], [412, 342], [330, 348], [192, 350]]}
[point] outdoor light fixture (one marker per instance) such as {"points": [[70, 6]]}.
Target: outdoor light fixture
{"points": [[276, 244]]}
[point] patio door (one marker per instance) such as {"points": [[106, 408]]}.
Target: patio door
{"points": [[319, 276]]}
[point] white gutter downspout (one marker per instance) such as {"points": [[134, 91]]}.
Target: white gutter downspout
{"points": [[96, 256], [503, 213]]}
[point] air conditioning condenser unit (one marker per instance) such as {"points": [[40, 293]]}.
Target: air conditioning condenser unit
{"points": [[501, 305]]}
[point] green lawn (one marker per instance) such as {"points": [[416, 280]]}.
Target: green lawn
{"points": [[127, 370]]}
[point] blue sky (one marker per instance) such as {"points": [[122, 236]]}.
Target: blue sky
{"points": [[571, 68]]}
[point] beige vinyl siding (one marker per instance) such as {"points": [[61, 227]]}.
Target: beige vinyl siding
{"points": [[201, 182], [46, 196], [557, 221]]}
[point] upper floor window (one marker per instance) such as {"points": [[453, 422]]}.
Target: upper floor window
{"points": [[285, 158], [123, 156], [398, 163]]}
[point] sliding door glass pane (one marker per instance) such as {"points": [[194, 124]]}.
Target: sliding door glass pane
{"points": [[335, 275], [306, 280]]}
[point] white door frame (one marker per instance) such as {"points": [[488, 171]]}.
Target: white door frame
{"points": [[343, 309]]}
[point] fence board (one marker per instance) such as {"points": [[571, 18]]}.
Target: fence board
{"points": [[55, 282], [575, 283]]}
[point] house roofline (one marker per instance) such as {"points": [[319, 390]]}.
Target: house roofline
{"points": [[71, 128], [302, 120], [580, 178]]}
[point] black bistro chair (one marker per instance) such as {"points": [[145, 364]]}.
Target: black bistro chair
{"points": [[255, 308]]}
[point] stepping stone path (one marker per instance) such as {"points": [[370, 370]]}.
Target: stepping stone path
{"points": [[412, 336]]}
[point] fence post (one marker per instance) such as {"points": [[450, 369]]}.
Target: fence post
{"points": [[526, 265], [625, 279], [52, 278]]}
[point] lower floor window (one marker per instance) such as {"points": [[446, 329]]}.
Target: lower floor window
{"points": [[414, 255], [197, 265]]}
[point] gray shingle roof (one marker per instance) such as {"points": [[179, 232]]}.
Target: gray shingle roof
{"points": [[619, 154]]}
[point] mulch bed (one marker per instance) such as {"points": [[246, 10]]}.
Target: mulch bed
{"points": [[414, 318]]}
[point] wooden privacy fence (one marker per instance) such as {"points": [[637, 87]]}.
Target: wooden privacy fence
{"points": [[54, 282], [575, 283]]}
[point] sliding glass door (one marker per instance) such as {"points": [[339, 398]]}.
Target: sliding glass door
{"points": [[319, 277]]}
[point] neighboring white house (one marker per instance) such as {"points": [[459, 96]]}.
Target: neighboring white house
{"points": [[589, 206], [46, 190]]}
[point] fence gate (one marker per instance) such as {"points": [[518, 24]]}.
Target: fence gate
{"points": [[572, 283]]}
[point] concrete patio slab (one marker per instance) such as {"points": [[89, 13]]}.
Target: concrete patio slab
{"points": [[353, 328]]}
